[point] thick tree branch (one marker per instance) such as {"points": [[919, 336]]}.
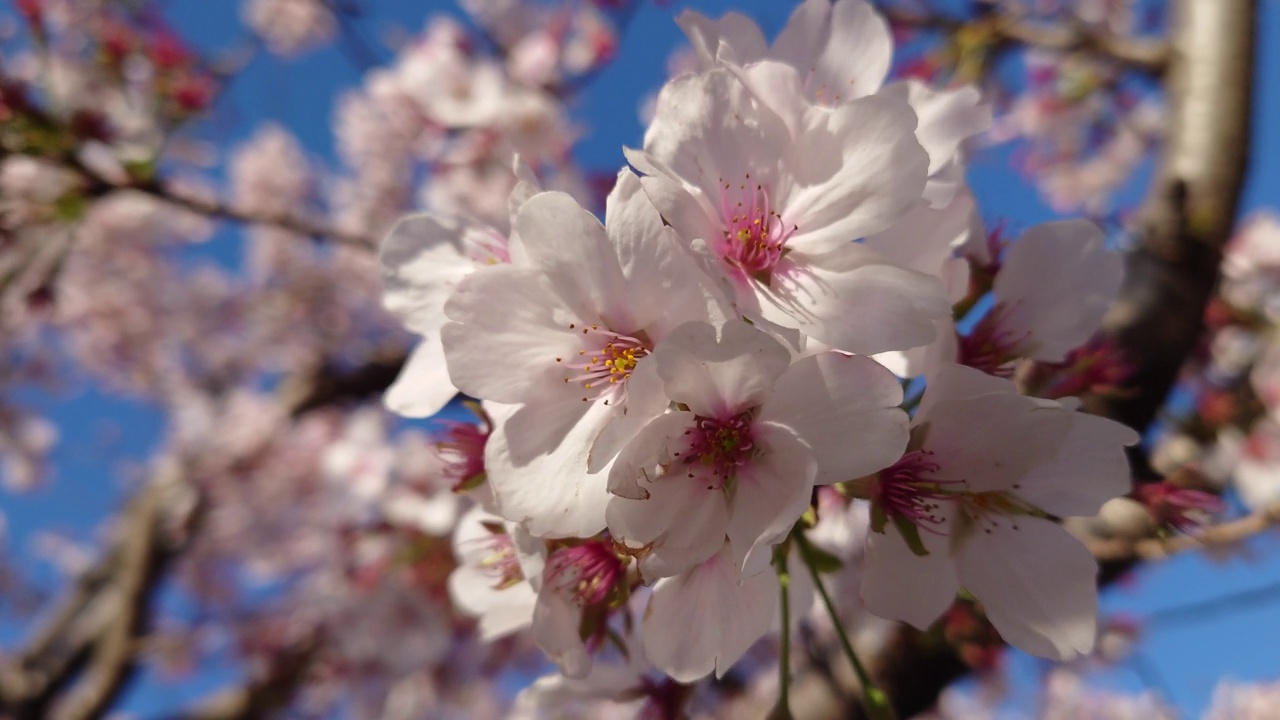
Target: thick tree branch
{"points": [[1190, 213]]}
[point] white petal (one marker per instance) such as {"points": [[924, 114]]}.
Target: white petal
{"points": [[423, 258], [923, 239], [855, 171], [509, 328], [845, 408], [844, 50], [666, 283], [950, 381], [851, 300], [575, 254], [897, 584], [710, 129], [657, 445], [423, 387], [991, 441], [501, 612], [1037, 585], [683, 519], [1090, 468], [1056, 283], [555, 630], [948, 117], [719, 374], [769, 494], [738, 33], [551, 493], [705, 619]]}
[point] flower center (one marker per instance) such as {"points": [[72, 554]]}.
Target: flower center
{"points": [[754, 236], [588, 572], [903, 491], [717, 448], [605, 361], [991, 348], [462, 448], [501, 562]]}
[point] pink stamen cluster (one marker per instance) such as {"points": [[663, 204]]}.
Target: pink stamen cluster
{"points": [[462, 446], [588, 572], [754, 236], [717, 448], [1098, 367], [605, 362], [903, 490], [990, 347], [1182, 508]]}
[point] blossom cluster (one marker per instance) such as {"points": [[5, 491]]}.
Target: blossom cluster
{"points": [[670, 389]]}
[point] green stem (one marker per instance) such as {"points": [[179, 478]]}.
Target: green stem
{"points": [[877, 702], [782, 711]]}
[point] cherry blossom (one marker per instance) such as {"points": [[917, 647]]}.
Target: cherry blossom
{"points": [[573, 324], [777, 197], [971, 506], [759, 431]]}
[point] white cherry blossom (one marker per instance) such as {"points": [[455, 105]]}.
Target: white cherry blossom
{"points": [[563, 335], [755, 432], [775, 192], [970, 507]]}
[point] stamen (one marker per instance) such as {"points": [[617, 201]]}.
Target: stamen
{"points": [[717, 448], [606, 361], [501, 562], [905, 490], [588, 572], [991, 348], [754, 235]]}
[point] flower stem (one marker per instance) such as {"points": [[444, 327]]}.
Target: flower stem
{"points": [[877, 702], [782, 710]]}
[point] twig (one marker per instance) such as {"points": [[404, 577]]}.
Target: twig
{"points": [[1221, 535], [1148, 56]]}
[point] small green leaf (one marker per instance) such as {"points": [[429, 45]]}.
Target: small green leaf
{"points": [[471, 483], [823, 561], [878, 518], [911, 534]]}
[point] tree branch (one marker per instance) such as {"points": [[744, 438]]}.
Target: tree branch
{"points": [[1224, 534], [1146, 55]]}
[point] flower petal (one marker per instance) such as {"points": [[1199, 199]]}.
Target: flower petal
{"points": [[508, 330], [853, 301], [707, 618], [570, 247], [845, 408], [423, 387], [897, 584], [879, 168], [423, 258], [769, 494], [845, 49], [719, 374], [551, 493], [1037, 584], [1057, 281], [1089, 469]]}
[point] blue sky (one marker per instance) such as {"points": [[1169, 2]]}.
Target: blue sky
{"points": [[105, 439]]}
